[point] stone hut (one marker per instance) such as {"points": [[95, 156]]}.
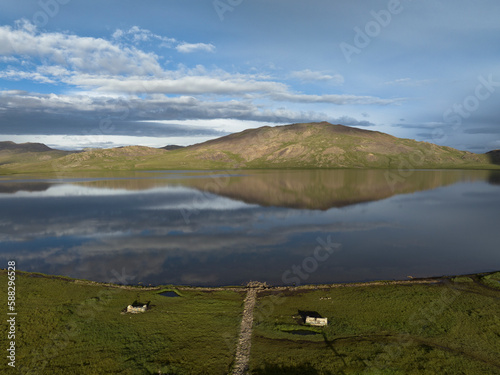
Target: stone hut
{"points": [[312, 318], [136, 309], [320, 322]]}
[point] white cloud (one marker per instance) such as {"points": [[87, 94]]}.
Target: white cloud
{"points": [[334, 99], [80, 54], [98, 65], [228, 125], [136, 35], [195, 47], [309, 75], [190, 85], [116, 79], [79, 142], [118, 34], [17, 75], [409, 82], [8, 59]]}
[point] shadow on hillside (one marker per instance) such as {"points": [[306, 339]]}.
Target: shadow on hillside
{"points": [[494, 156], [274, 369]]}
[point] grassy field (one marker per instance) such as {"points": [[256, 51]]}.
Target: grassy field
{"points": [[65, 327], [451, 327]]}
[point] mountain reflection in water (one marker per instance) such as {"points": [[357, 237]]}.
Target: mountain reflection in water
{"points": [[308, 189], [221, 228]]}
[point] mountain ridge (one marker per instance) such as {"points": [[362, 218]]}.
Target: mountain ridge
{"points": [[300, 146], [24, 147], [323, 145]]}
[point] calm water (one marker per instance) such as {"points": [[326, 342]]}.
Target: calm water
{"points": [[282, 227]]}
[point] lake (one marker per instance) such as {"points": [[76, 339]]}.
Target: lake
{"points": [[212, 228]]}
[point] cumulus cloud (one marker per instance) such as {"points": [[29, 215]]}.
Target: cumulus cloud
{"points": [[333, 99], [118, 81], [17, 75], [195, 47], [106, 66], [81, 54], [309, 75], [409, 82], [184, 85], [137, 35]]}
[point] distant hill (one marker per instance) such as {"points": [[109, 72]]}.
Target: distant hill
{"points": [[304, 145], [21, 157], [24, 147]]}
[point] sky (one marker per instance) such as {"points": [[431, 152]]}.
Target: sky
{"points": [[77, 74]]}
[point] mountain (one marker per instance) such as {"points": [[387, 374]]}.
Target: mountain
{"points": [[323, 145], [305, 145], [24, 147], [19, 157]]}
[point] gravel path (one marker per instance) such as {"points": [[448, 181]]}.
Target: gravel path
{"points": [[245, 340]]}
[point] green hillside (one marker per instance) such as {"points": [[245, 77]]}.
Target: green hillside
{"points": [[311, 145], [22, 155]]}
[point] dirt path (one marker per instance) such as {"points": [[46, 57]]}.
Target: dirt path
{"points": [[245, 340]]}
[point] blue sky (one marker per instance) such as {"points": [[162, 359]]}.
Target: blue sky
{"points": [[91, 73]]}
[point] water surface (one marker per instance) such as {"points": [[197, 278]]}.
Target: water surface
{"points": [[227, 228]]}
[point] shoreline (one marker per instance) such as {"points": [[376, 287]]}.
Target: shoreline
{"points": [[257, 284], [477, 167]]}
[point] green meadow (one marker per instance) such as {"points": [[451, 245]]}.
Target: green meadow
{"points": [[65, 327], [448, 326]]}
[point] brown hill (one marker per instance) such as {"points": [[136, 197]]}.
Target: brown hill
{"points": [[300, 146], [323, 145], [24, 147]]}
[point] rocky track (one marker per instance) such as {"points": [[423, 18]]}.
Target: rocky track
{"points": [[245, 339]]}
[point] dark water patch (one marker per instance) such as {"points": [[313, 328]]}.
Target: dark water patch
{"points": [[169, 293], [302, 332]]}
